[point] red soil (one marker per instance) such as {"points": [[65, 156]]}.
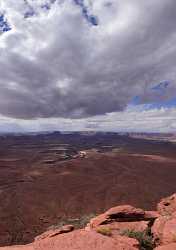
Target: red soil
{"points": [[35, 195]]}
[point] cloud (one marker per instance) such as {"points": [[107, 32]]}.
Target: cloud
{"points": [[131, 120], [56, 63]]}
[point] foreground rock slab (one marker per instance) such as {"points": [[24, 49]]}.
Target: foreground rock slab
{"points": [[52, 233], [116, 229], [125, 212], [164, 228], [80, 240], [171, 246]]}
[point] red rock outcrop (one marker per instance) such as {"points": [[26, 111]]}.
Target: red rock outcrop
{"points": [[125, 212], [167, 205], [151, 215], [80, 240], [164, 227], [52, 233], [104, 232], [122, 218], [171, 246]]}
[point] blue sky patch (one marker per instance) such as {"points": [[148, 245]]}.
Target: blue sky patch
{"points": [[92, 19], [161, 87], [4, 26], [135, 100], [158, 105]]}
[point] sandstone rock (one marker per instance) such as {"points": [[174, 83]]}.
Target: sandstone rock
{"points": [[125, 212], [132, 226], [151, 215], [171, 246], [169, 231], [164, 229], [157, 228], [80, 240], [98, 220], [121, 214], [24, 247], [167, 205], [52, 233], [115, 220], [116, 228], [119, 219]]}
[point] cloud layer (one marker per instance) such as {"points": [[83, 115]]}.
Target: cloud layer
{"points": [[162, 120], [56, 63]]}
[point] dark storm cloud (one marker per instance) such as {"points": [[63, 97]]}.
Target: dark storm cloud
{"points": [[56, 64]]}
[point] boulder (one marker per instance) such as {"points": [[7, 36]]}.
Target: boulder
{"points": [[164, 229], [157, 228], [167, 205], [52, 233], [120, 214], [126, 212], [122, 218], [98, 220]]}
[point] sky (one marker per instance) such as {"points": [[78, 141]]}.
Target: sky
{"points": [[106, 65]]}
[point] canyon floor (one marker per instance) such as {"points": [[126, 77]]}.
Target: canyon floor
{"points": [[43, 183]]}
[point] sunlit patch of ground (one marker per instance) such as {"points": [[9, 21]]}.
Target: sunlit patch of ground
{"points": [[155, 158], [66, 173], [35, 173]]}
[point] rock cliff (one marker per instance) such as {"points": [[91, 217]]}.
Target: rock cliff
{"points": [[119, 228]]}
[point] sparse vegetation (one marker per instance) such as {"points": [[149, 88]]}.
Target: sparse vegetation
{"points": [[76, 222], [145, 238], [105, 231]]}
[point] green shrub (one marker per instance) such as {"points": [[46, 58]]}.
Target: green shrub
{"points": [[78, 223], [144, 238]]}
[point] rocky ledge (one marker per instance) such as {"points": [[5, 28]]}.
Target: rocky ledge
{"points": [[119, 228]]}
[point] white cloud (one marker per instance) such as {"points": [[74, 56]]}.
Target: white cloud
{"points": [[57, 65], [162, 120]]}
